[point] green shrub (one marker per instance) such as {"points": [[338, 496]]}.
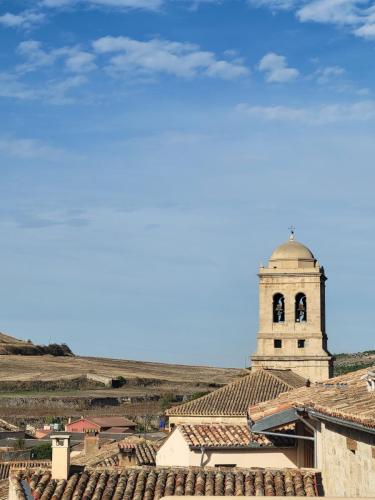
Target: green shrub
{"points": [[41, 452]]}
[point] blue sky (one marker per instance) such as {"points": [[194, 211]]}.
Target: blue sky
{"points": [[153, 152]]}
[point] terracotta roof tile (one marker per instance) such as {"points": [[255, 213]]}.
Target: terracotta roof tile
{"points": [[235, 398], [217, 435], [345, 397], [154, 483], [107, 455], [229, 436], [110, 421]]}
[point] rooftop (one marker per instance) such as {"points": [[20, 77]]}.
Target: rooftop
{"points": [[107, 455], [226, 436], [108, 421], [234, 399], [154, 483], [346, 397]]}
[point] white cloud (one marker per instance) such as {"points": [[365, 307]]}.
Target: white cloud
{"points": [[356, 15], [57, 92], [329, 11], [35, 56], [75, 60], [328, 74], [80, 62], [366, 31], [137, 58], [276, 68], [274, 5], [319, 115], [25, 19]]}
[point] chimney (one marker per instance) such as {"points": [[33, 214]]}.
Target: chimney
{"points": [[91, 442], [60, 456], [126, 455]]}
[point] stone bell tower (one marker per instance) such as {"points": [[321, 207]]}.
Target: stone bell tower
{"points": [[292, 330]]}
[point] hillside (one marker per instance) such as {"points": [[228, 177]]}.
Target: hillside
{"points": [[10, 345], [348, 362], [34, 383], [22, 368]]}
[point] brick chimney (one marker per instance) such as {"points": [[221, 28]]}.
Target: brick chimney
{"points": [[126, 455], [91, 442], [60, 456]]}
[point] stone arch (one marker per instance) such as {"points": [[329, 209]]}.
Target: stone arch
{"points": [[300, 308], [278, 308]]}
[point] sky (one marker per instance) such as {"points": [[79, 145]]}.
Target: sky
{"points": [[154, 152]]}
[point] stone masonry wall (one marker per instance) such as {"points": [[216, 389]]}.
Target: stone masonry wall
{"points": [[347, 471]]}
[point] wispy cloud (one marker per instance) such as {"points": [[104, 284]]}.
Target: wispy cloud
{"points": [[328, 74], [75, 59], [121, 4], [25, 19], [318, 115], [357, 15], [276, 68], [157, 56], [28, 149]]}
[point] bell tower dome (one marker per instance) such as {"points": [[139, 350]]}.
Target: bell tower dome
{"points": [[292, 333]]}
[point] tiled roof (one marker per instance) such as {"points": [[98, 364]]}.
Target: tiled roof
{"points": [[107, 421], [217, 435], [230, 436], [4, 489], [107, 455], [345, 397], [235, 398], [145, 451], [5, 467], [154, 483], [111, 421]]}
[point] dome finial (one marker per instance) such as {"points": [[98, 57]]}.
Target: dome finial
{"points": [[292, 230]]}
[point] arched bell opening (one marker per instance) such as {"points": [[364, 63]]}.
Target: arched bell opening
{"points": [[301, 308], [278, 308]]}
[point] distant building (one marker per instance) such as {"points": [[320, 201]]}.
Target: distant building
{"points": [[114, 425]]}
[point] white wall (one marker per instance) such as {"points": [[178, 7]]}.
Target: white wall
{"points": [[175, 452]]}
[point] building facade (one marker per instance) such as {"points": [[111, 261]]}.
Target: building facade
{"points": [[223, 446], [292, 333]]}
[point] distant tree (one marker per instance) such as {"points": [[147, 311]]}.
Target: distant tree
{"points": [[19, 444], [41, 452], [166, 400]]}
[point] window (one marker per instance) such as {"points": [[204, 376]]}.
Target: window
{"points": [[301, 343], [301, 308], [277, 344], [278, 308]]}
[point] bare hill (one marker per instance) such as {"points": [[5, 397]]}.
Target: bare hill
{"points": [[19, 368]]}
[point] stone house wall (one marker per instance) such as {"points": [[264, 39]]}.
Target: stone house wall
{"points": [[346, 458]]}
